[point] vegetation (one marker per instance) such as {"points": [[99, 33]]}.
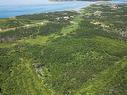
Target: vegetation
{"points": [[71, 54]]}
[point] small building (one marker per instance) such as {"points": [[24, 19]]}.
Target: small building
{"points": [[66, 17], [98, 13]]}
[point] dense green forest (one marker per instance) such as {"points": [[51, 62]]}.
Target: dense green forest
{"points": [[65, 53]]}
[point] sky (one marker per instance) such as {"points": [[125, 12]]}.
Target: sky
{"points": [[22, 2]]}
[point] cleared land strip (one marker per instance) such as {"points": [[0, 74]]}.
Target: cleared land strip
{"points": [[25, 26]]}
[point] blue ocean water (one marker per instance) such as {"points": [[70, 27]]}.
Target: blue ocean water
{"points": [[11, 11], [16, 10]]}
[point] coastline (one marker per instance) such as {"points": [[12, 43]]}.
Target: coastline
{"points": [[31, 9]]}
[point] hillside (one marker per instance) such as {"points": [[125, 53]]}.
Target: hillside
{"points": [[65, 53]]}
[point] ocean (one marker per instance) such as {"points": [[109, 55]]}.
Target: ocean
{"points": [[7, 11]]}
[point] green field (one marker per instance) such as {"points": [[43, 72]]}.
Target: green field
{"points": [[65, 53]]}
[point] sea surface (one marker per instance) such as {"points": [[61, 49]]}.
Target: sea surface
{"points": [[7, 11]]}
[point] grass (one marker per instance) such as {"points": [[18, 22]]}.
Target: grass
{"points": [[66, 57]]}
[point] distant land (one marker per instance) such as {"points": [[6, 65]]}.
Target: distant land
{"points": [[79, 0]]}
